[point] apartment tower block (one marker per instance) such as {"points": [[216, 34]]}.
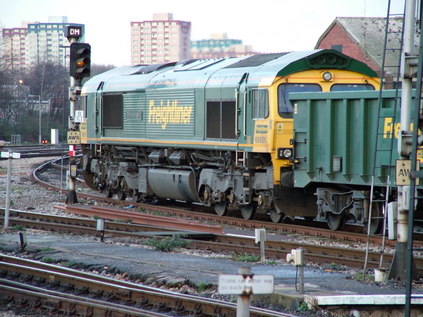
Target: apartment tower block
{"points": [[160, 40]]}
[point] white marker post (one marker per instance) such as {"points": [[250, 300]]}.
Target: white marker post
{"points": [[9, 155], [244, 285]]}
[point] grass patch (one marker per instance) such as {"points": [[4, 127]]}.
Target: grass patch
{"points": [[47, 259], [123, 221], [18, 228], [303, 307], [245, 257], [47, 249], [167, 244], [361, 277], [201, 286]]}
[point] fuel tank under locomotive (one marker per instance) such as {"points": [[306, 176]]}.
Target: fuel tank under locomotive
{"points": [[172, 183]]}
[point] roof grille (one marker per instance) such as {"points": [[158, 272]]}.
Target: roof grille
{"points": [[256, 60], [151, 68]]}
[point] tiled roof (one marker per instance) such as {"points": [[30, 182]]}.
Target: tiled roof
{"points": [[369, 33]]}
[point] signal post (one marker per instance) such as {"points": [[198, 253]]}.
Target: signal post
{"points": [[79, 68]]}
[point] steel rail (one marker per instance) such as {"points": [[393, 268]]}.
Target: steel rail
{"points": [[195, 215], [123, 291], [54, 302], [352, 257]]}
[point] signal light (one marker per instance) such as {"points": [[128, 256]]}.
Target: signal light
{"points": [[80, 60]]}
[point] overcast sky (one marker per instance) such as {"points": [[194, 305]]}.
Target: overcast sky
{"points": [[267, 25]]}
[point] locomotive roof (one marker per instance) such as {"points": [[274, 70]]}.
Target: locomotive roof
{"points": [[261, 69]]}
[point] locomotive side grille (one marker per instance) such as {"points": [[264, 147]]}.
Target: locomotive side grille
{"points": [[112, 110]]}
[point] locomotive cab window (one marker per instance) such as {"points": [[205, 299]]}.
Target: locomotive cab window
{"points": [[260, 103], [112, 111], [351, 87], [284, 105], [221, 120]]}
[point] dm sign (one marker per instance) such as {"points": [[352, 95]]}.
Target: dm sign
{"points": [[73, 32]]}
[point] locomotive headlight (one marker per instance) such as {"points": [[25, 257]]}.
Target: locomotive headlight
{"points": [[284, 153], [327, 76]]}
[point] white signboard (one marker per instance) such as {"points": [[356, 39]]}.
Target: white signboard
{"points": [[238, 285], [10, 155], [79, 116]]}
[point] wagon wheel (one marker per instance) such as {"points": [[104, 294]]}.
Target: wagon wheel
{"points": [[335, 222], [377, 219], [221, 209], [275, 215], [248, 211]]}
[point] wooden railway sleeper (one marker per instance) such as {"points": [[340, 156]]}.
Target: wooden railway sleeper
{"points": [[198, 310], [142, 302], [179, 306], [4, 300]]}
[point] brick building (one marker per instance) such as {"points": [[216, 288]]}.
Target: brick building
{"points": [[363, 39]]}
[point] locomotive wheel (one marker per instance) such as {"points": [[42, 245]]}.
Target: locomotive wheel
{"points": [[108, 192], [121, 195], [221, 209], [275, 215], [377, 219], [89, 179], [335, 222], [248, 211]]}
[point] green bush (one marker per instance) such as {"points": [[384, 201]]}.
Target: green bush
{"points": [[167, 244]]}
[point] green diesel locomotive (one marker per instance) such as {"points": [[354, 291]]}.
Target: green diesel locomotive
{"points": [[216, 132]]}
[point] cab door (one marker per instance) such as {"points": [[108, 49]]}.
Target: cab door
{"points": [[244, 114]]}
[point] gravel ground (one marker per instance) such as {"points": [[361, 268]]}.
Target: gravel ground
{"points": [[24, 195]]}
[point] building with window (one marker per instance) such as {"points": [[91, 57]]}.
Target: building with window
{"points": [[13, 48], [160, 40], [219, 46], [46, 42], [363, 38], [36, 42]]}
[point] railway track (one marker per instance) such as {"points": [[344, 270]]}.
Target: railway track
{"points": [[196, 212], [275, 248], [29, 151], [51, 289]]}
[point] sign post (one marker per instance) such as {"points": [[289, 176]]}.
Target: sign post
{"points": [[9, 155], [244, 285], [79, 67]]}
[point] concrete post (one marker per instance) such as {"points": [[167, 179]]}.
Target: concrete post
{"points": [[243, 301], [9, 177]]}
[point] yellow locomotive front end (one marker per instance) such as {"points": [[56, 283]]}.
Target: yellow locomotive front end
{"points": [[280, 135], [273, 130]]}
